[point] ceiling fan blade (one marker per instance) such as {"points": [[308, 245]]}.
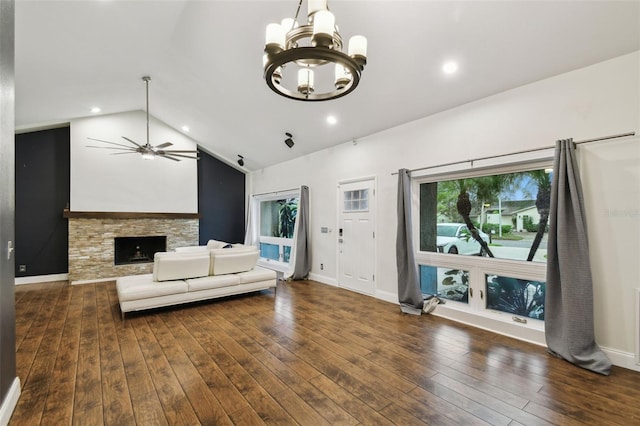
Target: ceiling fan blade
{"points": [[165, 154], [110, 147], [135, 143], [163, 145], [111, 143], [120, 153], [183, 151], [168, 156]]}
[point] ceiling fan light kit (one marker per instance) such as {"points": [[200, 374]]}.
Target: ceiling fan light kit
{"points": [[312, 47], [147, 151]]}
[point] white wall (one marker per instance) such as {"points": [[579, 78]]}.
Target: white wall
{"points": [[127, 183], [599, 100]]}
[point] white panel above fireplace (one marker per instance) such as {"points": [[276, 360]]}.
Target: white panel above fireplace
{"points": [[127, 183]]}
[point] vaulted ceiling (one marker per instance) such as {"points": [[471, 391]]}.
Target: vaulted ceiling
{"points": [[205, 60]]}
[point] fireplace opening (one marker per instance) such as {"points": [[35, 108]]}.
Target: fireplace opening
{"points": [[130, 250]]}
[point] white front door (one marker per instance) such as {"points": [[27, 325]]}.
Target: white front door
{"points": [[356, 236]]}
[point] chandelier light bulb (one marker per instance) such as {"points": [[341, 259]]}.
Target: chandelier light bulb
{"points": [[358, 46], [315, 6], [275, 37], [324, 24], [305, 81]]}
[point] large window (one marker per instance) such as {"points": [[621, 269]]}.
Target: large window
{"points": [[483, 240], [277, 222], [503, 216]]}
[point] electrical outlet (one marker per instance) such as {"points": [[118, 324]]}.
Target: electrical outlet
{"points": [[22, 268], [322, 266]]}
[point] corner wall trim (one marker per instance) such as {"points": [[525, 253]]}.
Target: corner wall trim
{"points": [[10, 402]]}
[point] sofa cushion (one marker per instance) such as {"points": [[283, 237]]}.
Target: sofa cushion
{"points": [[169, 266], [233, 260], [200, 249], [212, 281], [137, 287], [256, 274]]}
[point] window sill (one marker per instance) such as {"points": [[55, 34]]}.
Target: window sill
{"points": [[496, 322], [273, 264]]}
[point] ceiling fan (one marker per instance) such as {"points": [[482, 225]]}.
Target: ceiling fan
{"points": [[148, 151]]}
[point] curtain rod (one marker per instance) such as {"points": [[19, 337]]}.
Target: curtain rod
{"points": [[275, 192], [621, 135]]}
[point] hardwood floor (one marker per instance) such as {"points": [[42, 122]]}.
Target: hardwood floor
{"points": [[315, 355]]}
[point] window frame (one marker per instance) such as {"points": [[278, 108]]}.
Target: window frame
{"points": [[280, 264], [475, 312]]}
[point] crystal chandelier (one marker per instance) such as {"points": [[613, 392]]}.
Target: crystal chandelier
{"points": [[314, 49]]}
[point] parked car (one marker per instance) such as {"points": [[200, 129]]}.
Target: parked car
{"points": [[455, 238]]}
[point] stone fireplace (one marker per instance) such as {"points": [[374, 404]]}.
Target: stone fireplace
{"points": [[92, 241]]}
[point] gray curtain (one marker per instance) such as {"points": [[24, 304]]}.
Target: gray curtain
{"points": [[300, 261], [409, 294], [252, 237], [569, 295]]}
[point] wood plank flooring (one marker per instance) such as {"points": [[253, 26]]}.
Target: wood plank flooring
{"points": [[312, 355]]}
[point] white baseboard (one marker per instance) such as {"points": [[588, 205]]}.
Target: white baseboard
{"points": [[100, 280], [41, 279], [10, 402], [323, 279], [621, 359], [387, 297]]}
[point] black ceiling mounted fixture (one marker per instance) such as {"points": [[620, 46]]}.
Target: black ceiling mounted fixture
{"points": [[147, 151], [240, 160], [289, 141]]}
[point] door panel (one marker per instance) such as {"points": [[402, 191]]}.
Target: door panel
{"points": [[356, 265]]}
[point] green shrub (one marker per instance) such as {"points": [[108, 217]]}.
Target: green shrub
{"points": [[488, 227], [528, 224]]}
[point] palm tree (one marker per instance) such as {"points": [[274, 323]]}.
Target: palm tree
{"points": [[543, 204], [464, 209], [287, 215]]}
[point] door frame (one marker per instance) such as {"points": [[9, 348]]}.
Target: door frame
{"points": [[340, 182]]}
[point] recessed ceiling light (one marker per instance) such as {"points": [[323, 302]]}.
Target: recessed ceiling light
{"points": [[449, 67], [332, 119], [95, 110], [185, 129]]}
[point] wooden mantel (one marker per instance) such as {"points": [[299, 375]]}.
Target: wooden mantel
{"points": [[66, 213]]}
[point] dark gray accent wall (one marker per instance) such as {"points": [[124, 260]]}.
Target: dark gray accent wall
{"points": [[42, 193], [7, 279], [221, 201]]}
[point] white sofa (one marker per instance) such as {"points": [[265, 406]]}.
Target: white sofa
{"points": [[194, 274]]}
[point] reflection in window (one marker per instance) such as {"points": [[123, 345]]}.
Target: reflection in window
{"points": [[277, 223], [270, 251], [516, 296], [278, 217], [447, 283]]}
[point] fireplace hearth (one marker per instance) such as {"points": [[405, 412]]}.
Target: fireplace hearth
{"points": [[131, 250]]}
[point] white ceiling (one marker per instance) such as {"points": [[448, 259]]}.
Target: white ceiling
{"points": [[205, 61]]}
